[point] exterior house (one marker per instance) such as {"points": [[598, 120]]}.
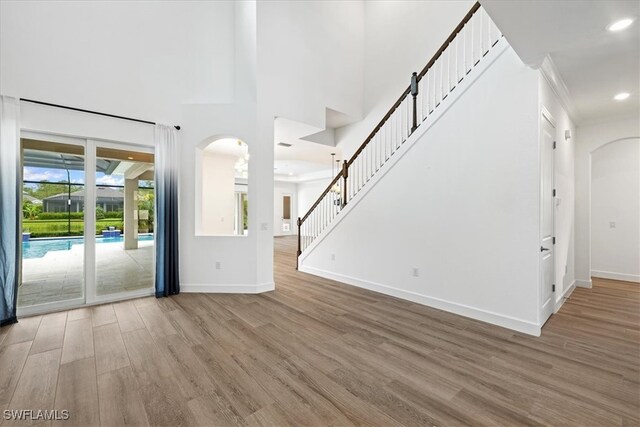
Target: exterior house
{"points": [[109, 199]]}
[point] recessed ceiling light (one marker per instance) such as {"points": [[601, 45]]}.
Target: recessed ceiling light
{"points": [[621, 96], [290, 173], [620, 25], [130, 158]]}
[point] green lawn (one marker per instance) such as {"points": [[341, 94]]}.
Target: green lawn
{"points": [[59, 227]]}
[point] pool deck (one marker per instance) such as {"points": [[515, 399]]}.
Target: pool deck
{"points": [[58, 276]]}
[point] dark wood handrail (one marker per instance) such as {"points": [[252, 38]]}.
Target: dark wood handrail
{"points": [[324, 193], [379, 126], [422, 73], [395, 106], [449, 39]]}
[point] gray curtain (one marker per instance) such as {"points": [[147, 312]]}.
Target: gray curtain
{"points": [[166, 226], [9, 207]]}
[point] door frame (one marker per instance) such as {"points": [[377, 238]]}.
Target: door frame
{"points": [[545, 313], [92, 297], [291, 214], [89, 279]]}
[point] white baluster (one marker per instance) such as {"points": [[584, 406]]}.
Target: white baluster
{"points": [[447, 52], [407, 115], [404, 117], [396, 123], [480, 12], [377, 150], [464, 50], [392, 131], [473, 43], [441, 78], [367, 172]]}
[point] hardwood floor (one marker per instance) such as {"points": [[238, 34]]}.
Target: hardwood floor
{"points": [[316, 352]]}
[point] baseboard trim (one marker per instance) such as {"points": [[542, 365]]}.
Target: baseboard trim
{"points": [[452, 307], [565, 295], [214, 288], [584, 283], [615, 276]]}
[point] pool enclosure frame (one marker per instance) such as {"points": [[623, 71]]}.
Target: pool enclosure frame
{"points": [[90, 296]]}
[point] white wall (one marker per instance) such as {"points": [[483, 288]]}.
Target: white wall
{"points": [[139, 59], [462, 206], [280, 189], [400, 38], [564, 183], [311, 57], [590, 137], [218, 194], [615, 210], [172, 62], [199, 65]]}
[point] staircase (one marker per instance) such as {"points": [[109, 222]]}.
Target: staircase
{"points": [[460, 53]]}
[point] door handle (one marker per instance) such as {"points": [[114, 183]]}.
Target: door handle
{"points": [[542, 249]]}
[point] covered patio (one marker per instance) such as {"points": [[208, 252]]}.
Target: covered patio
{"points": [[58, 276]]}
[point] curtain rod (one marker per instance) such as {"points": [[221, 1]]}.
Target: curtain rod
{"points": [[91, 112]]}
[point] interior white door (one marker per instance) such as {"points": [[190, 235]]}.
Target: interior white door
{"points": [[547, 258]]}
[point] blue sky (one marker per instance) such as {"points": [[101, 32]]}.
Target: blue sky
{"points": [[57, 175]]}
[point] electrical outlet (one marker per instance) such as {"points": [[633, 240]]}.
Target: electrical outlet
{"points": [[264, 226], [416, 272], [333, 257], [612, 224], [218, 265]]}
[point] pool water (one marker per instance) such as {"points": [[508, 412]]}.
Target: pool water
{"points": [[39, 248]]}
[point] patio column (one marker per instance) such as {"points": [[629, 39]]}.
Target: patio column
{"points": [[130, 213]]}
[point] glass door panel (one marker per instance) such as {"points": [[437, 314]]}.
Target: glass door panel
{"points": [[53, 195], [124, 196]]}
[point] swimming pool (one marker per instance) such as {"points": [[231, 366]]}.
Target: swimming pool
{"points": [[38, 248]]}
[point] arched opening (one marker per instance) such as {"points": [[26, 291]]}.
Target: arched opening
{"points": [[615, 209], [222, 203]]}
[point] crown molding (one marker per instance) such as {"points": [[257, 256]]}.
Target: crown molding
{"points": [[552, 76]]}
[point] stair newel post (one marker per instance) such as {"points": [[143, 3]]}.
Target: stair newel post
{"points": [[345, 175], [414, 94], [299, 252]]}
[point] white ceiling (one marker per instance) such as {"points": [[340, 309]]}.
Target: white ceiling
{"points": [[595, 64], [303, 159], [336, 119], [228, 146]]}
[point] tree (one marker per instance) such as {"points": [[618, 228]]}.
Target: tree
{"points": [[30, 211], [99, 213], [146, 202], [45, 189]]}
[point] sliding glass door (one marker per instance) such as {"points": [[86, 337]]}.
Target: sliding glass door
{"points": [[53, 196], [88, 221], [124, 198]]}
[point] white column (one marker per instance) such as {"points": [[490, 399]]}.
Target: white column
{"points": [[130, 214]]}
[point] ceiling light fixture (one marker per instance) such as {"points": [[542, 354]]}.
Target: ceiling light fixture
{"points": [[620, 25], [621, 96], [130, 158]]}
